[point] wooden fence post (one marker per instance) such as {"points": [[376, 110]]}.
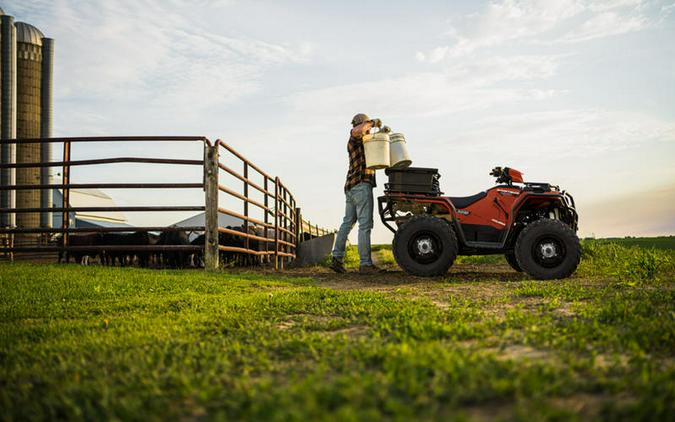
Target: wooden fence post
{"points": [[211, 243]]}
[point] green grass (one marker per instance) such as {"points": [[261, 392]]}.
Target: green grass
{"points": [[628, 264], [661, 242], [108, 343]]}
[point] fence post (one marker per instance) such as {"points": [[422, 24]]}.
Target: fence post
{"points": [[211, 242], [298, 228], [246, 239], [276, 224], [65, 196], [286, 237], [266, 219]]}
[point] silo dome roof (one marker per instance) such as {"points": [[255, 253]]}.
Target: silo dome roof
{"points": [[27, 33]]}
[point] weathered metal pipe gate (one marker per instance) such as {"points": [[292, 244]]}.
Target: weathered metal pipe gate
{"points": [[278, 203], [280, 230]]}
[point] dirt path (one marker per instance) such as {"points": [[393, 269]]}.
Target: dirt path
{"points": [[484, 283]]}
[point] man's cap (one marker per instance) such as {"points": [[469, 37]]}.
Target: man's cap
{"points": [[360, 118]]}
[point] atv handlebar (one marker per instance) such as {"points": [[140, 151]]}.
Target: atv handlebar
{"points": [[501, 174]]}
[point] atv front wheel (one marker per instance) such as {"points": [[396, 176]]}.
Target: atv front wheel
{"points": [[425, 246], [548, 249], [513, 262]]}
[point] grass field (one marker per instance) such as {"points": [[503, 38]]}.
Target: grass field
{"points": [[662, 242], [482, 343]]}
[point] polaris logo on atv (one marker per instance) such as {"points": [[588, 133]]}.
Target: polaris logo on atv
{"points": [[463, 212]]}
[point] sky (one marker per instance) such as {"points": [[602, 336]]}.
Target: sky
{"points": [[572, 92]]}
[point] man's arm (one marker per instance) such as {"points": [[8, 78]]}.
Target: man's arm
{"points": [[362, 129]]}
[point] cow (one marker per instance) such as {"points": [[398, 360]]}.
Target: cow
{"points": [[174, 259], [81, 256], [145, 257], [226, 258], [119, 254], [232, 258], [197, 258], [257, 245]]}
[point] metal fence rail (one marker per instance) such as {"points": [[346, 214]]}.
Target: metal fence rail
{"points": [[64, 246], [273, 236], [313, 230], [278, 207]]}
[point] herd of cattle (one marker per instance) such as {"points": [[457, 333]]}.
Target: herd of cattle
{"points": [[126, 249]]}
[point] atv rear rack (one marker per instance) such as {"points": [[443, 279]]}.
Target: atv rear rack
{"points": [[413, 180]]}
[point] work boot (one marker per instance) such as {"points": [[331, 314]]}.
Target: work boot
{"points": [[337, 266], [371, 269]]}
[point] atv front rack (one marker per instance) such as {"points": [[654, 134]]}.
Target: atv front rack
{"points": [[386, 213]]}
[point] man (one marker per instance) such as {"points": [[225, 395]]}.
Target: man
{"points": [[359, 198]]}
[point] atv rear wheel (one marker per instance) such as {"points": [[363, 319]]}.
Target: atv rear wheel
{"points": [[425, 246], [513, 262], [548, 249]]}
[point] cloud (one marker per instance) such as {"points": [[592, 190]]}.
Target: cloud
{"points": [[573, 133], [540, 22], [668, 9], [606, 5], [467, 85], [605, 25], [153, 52], [502, 22], [434, 56]]}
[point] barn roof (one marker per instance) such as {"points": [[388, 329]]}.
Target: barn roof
{"points": [[200, 220]]}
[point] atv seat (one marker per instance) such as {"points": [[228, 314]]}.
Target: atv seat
{"points": [[464, 201]]}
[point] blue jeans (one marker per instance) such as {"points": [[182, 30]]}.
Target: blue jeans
{"points": [[359, 207]]}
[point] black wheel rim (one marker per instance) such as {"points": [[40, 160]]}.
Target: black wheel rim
{"points": [[425, 247], [549, 251]]}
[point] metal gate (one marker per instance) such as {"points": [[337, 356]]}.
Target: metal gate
{"points": [[273, 236]]}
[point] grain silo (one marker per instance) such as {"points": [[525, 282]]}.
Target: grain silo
{"points": [[7, 114], [46, 112], [26, 75], [28, 96]]}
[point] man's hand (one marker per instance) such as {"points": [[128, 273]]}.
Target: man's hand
{"points": [[362, 129], [376, 122]]}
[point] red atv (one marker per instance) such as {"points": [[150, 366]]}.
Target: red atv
{"points": [[533, 224]]}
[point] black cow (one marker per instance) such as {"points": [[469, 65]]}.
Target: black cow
{"points": [[174, 259], [81, 256], [226, 258], [145, 258], [230, 258], [234, 241], [119, 254], [197, 258], [246, 259]]}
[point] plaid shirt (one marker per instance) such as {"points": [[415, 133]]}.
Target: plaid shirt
{"points": [[357, 163]]}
